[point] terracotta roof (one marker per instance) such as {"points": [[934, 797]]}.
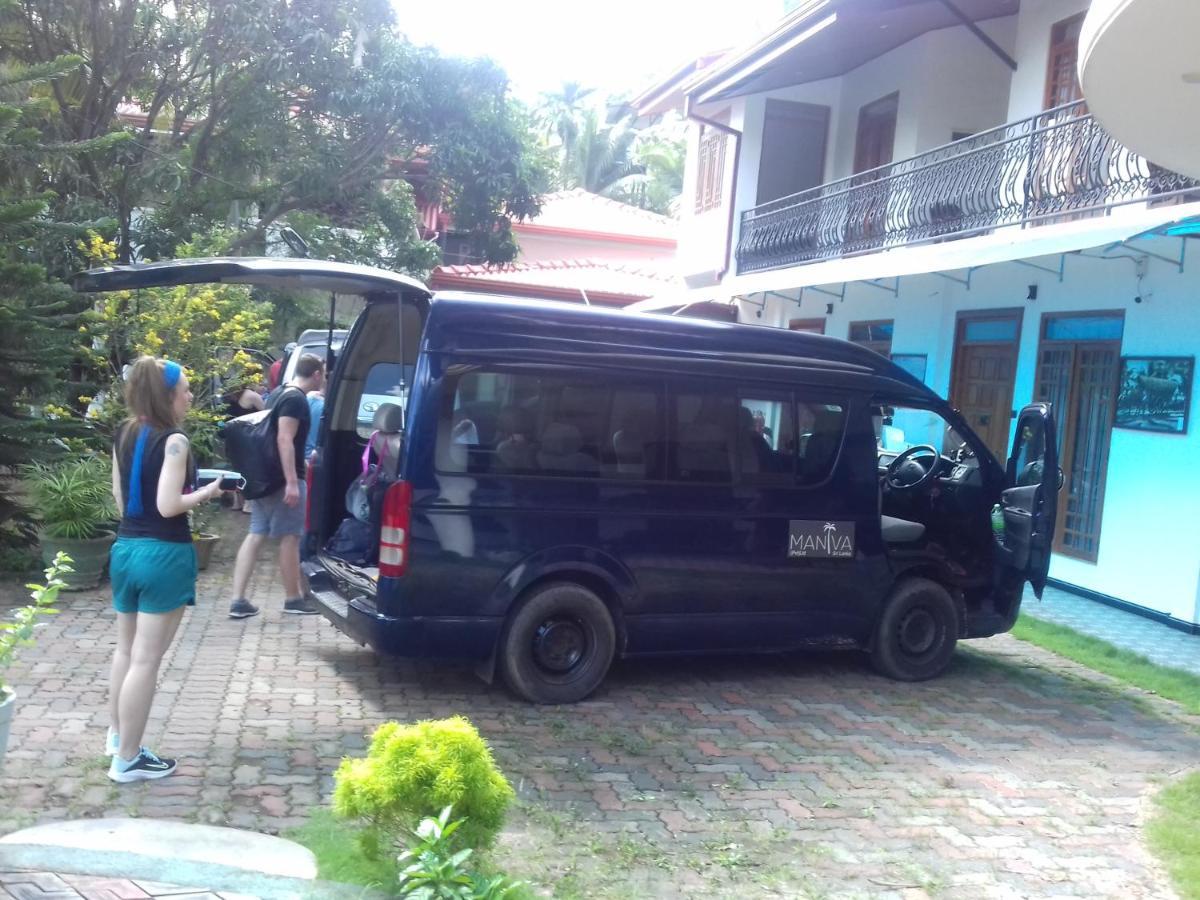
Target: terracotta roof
{"points": [[601, 280], [583, 212]]}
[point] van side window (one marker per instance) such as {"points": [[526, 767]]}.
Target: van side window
{"points": [[703, 437], [766, 436], [820, 427], [564, 425]]}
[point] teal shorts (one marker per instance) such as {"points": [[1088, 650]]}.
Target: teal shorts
{"points": [[152, 576]]}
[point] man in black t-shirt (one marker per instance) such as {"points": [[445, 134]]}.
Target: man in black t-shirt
{"points": [[281, 515]]}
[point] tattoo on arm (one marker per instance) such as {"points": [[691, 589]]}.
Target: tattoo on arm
{"points": [[173, 450]]}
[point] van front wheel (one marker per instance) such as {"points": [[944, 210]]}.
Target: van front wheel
{"points": [[917, 632], [558, 644]]}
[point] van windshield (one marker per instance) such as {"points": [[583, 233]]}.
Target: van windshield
{"points": [[899, 427]]}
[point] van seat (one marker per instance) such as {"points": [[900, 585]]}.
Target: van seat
{"points": [[389, 422], [900, 531], [561, 450]]}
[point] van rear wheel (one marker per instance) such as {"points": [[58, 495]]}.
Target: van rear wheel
{"points": [[917, 633], [558, 644]]}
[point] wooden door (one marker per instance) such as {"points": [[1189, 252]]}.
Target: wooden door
{"points": [[1062, 72], [876, 139], [1079, 375], [985, 366]]}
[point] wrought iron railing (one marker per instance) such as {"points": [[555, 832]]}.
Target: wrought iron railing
{"points": [[1057, 163]]}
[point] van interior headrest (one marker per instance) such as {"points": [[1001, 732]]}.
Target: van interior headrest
{"points": [[389, 418], [560, 439]]}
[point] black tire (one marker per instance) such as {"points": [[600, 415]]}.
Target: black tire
{"points": [[557, 644], [917, 633]]}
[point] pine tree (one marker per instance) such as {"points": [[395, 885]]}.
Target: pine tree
{"points": [[39, 315]]}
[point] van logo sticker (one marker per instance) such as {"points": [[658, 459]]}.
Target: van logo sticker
{"points": [[820, 540]]}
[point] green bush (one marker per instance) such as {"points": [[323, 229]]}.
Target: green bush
{"points": [[72, 499], [413, 772]]}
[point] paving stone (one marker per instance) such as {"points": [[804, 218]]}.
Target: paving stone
{"points": [[1016, 774]]}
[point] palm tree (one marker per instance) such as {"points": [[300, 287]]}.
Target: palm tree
{"points": [[602, 162], [660, 187], [559, 114]]}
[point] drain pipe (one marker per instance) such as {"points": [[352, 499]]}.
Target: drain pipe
{"points": [[689, 113]]}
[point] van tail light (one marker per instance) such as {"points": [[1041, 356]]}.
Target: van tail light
{"points": [[308, 486], [393, 533]]}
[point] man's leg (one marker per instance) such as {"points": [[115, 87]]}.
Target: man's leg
{"points": [[241, 607], [289, 572], [289, 565]]}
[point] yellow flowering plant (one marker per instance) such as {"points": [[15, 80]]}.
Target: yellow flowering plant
{"points": [[207, 328]]}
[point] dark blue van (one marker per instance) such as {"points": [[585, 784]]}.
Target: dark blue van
{"points": [[556, 485]]}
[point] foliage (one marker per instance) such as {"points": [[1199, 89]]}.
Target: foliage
{"points": [[19, 632], [208, 329], [559, 113], [37, 315], [1174, 684], [413, 771], [72, 499], [602, 160], [201, 518], [432, 868], [610, 153], [1174, 834], [250, 111], [659, 187]]}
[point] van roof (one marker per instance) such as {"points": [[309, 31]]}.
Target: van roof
{"points": [[500, 327], [263, 271]]}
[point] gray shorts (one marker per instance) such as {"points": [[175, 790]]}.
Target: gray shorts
{"points": [[269, 515]]}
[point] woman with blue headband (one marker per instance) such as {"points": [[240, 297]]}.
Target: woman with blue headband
{"points": [[153, 564]]}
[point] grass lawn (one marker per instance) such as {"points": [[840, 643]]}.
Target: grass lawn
{"points": [[1124, 665], [1175, 834], [339, 855], [1174, 831]]}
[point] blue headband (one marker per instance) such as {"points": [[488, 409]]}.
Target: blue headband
{"points": [[171, 373]]}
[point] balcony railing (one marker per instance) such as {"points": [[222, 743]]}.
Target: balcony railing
{"points": [[1056, 164]]}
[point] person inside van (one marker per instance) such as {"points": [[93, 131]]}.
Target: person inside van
{"points": [[515, 452]]}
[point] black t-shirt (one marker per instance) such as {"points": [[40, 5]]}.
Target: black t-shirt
{"points": [[292, 402], [149, 523]]}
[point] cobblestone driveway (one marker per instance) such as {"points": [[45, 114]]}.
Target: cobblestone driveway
{"points": [[1015, 775]]}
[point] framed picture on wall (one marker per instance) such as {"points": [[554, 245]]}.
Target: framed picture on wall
{"points": [[912, 363], [1156, 392]]}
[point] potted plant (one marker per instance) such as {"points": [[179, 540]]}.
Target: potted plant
{"points": [[19, 633], [204, 539], [73, 501]]}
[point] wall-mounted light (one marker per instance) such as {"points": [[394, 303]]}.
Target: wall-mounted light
{"points": [[1032, 295]]}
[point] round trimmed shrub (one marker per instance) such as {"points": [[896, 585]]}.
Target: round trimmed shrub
{"points": [[414, 771]]}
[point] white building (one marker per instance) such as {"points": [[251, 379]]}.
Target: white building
{"points": [[924, 178]]}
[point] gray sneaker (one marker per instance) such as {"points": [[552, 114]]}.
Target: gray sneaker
{"points": [[299, 606], [241, 608]]}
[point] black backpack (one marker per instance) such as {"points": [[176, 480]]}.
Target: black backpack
{"points": [[251, 448]]}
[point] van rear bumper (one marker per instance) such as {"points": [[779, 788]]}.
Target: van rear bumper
{"points": [[414, 637]]}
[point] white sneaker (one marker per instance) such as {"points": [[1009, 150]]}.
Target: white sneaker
{"points": [[112, 743], [147, 766]]}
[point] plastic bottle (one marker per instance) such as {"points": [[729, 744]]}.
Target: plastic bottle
{"points": [[998, 522]]}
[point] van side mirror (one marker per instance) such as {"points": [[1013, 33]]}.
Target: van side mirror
{"points": [[1061, 479]]}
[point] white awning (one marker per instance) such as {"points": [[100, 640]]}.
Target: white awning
{"points": [[1004, 245]]}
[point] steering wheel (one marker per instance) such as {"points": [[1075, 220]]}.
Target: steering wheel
{"points": [[897, 465]]}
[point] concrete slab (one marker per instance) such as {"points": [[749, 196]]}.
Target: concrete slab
{"points": [[168, 839]]}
